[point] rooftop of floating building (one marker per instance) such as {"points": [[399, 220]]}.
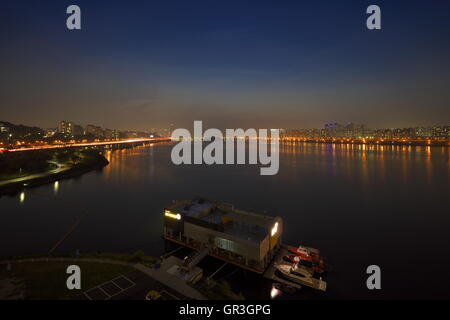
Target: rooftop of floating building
{"points": [[245, 225]]}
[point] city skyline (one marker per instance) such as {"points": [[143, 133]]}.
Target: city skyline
{"points": [[89, 124], [68, 130], [238, 65]]}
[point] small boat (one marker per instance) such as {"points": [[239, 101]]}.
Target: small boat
{"points": [[311, 254], [305, 252], [319, 268], [301, 275]]}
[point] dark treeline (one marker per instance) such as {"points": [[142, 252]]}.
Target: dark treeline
{"points": [[27, 162]]}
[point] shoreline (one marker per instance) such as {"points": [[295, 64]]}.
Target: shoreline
{"points": [[13, 188], [369, 142]]}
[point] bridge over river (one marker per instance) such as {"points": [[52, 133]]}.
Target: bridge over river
{"points": [[89, 144]]}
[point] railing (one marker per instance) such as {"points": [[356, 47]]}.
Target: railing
{"points": [[252, 265]]}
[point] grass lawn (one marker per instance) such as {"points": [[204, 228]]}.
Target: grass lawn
{"points": [[222, 291], [47, 280], [16, 175]]}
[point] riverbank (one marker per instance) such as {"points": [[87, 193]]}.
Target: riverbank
{"points": [[85, 163], [45, 277], [372, 142], [46, 280], [42, 277]]}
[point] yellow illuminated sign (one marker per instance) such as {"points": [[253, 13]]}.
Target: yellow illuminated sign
{"points": [[169, 214]]}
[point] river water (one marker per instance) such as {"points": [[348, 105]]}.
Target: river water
{"points": [[360, 205]]}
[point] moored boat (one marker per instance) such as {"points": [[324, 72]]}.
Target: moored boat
{"points": [[309, 254], [301, 275], [319, 268]]}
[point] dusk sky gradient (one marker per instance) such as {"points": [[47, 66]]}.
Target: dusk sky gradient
{"points": [[268, 64]]}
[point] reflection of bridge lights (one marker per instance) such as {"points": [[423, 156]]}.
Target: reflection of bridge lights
{"points": [[22, 197], [55, 187]]}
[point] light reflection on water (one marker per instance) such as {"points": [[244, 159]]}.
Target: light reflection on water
{"points": [[362, 156], [22, 197], [55, 187]]}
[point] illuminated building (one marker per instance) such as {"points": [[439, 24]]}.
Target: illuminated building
{"points": [[246, 239], [63, 127], [94, 131], [67, 128], [50, 132]]}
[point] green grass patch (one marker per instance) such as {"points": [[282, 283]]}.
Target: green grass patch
{"points": [[222, 291], [16, 175], [137, 257], [5, 177], [47, 280]]}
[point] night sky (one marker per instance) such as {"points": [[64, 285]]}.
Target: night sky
{"points": [[298, 64]]}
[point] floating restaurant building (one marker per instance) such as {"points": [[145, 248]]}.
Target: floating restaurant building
{"points": [[246, 239]]}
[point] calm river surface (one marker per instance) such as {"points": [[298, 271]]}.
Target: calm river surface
{"points": [[360, 205]]}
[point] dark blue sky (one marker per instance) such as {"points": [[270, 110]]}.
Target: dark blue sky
{"points": [[142, 64]]}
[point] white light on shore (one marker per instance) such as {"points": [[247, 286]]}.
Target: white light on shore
{"points": [[274, 229], [274, 293]]}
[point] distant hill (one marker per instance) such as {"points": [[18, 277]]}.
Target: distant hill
{"points": [[20, 130]]}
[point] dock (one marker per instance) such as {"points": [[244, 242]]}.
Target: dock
{"points": [[270, 274], [278, 258]]}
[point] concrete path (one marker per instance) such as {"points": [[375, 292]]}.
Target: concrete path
{"points": [[60, 168]]}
